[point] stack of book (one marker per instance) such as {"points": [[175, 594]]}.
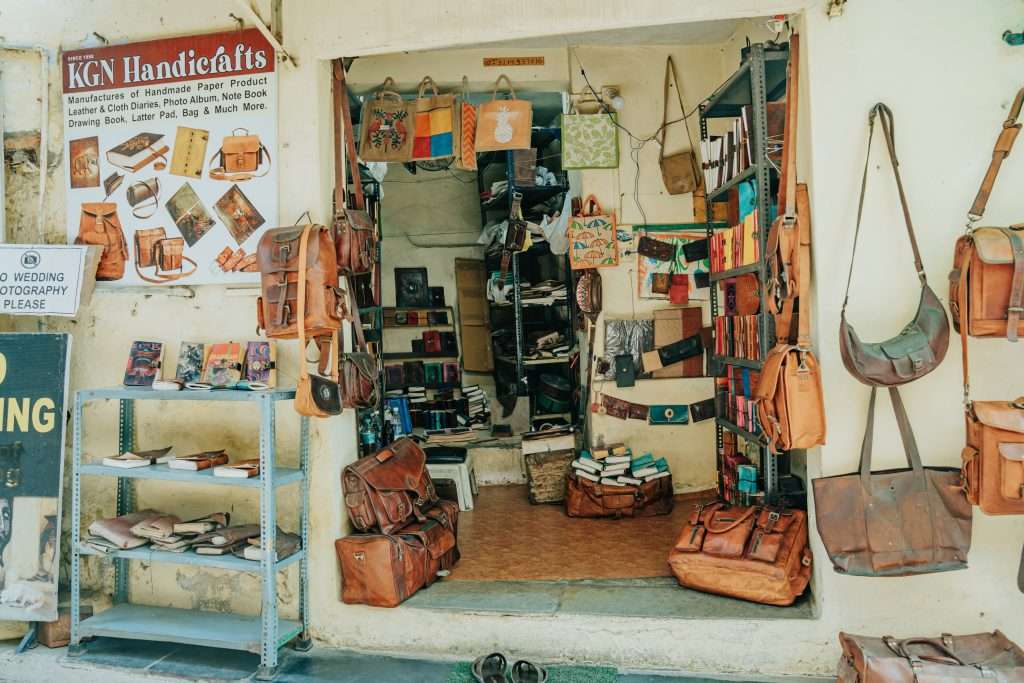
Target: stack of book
{"points": [[737, 336], [479, 406], [617, 466], [544, 293], [736, 246], [726, 156], [736, 402]]}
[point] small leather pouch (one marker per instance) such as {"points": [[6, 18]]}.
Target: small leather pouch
{"points": [[696, 250], [702, 279], [679, 290], [144, 197], [660, 283], [359, 380], [673, 353], [702, 410], [656, 249], [625, 371], [614, 407]]}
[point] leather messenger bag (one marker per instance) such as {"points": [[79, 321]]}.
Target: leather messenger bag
{"points": [[945, 659], [751, 553], [986, 285], [385, 491]]}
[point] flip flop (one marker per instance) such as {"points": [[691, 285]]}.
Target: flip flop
{"points": [[528, 672], [490, 668]]}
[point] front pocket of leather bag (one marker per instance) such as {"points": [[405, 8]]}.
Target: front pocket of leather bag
{"points": [[969, 473], [1011, 470], [731, 543], [692, 540], [764, 547]]}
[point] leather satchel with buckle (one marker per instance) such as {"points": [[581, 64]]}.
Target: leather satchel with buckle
{"points": [[153, 248], [240, 157]]}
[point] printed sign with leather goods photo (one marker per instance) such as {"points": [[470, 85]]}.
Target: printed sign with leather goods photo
{"points": [[183, 132], [33, 381]]}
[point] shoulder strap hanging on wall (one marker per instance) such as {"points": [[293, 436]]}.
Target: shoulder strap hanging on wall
{"points": [[343, 129], [787, 184], [670, 73], [1004, 143]]}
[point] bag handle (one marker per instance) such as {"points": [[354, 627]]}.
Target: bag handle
{"points": [[1004, 143], [588, 206], [900, 647], [497, 82], [906, 435], [343, 135], [884, 114], [670, 73], [300, 314], [427, 80]]}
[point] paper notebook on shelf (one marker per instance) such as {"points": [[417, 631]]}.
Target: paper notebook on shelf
{"points": [[140, 458], [199, 461], [243, 469]]}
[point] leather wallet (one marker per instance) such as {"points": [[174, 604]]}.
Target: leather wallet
{"points": [[696, 250], [679, 290], [637, 411], [668, 415], [702, 279], [614, 407], [673, 353], [625, 371], [702, 410], [432, 341], [656, 249], [660, 283]]}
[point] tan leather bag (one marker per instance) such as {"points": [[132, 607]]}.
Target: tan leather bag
{"points": [[240, 157], [585, 498], [359, 369], [153, 248], [680, 171], [897, 522], [100, 226], [281, 269], [385, 491], [751, 553], [315, 395], [944, 659], [987, 280]]}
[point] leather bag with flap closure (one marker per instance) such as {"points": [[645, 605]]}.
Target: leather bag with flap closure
{"points": [[585, 498], [385, 491], [751, 553], [897, 522], [100, 226], [943, 659], [987, 280], [240, 157], [920, 347], [680, 171], [153, 248], [355, 234], [315, 395], [360, 373]]}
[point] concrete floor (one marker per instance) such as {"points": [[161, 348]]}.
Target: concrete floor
{"points": [[110, 660]]}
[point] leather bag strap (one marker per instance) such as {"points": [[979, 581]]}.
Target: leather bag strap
{"points": [[1004, 143], [787, 183], [343, 129], [803, 339], [300, 314], [906, 435], [355, 319], [670, 73], [968, 255], [884, 114], [163, 278]]}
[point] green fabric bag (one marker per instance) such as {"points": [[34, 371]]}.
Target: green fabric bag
{"points": [[589, 141]]}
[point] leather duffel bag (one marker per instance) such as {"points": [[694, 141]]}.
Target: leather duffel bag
{"points": [[385, 491], [585, 498], [983, 656], [758, 554], [384, 570]]}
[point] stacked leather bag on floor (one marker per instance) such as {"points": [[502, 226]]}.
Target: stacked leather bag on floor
{"points": [[410, 537], [982, 657]]}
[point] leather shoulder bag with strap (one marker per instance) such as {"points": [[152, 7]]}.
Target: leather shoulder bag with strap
{"points": [[360, 371], [241, 156], [897, 522], [987, 281], [315, 395], [153, 248], [385, 491], [680, 171], [920, 347]]}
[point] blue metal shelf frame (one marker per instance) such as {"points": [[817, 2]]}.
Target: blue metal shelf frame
{"points": [[271, 636]]}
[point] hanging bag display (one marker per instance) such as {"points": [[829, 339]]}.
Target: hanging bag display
{"points": [[592, 240], [503, 124], [360, 371], [589, 140], [100, 226], [897, 522], [241, 156], [153, 248], [315, 395], [434, 124], [987, 280], [466, 156], [920, 347], [144, 197], [386, 126], [680, 171]]}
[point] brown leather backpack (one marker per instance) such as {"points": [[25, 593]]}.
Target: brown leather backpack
{"points": [[99, 225], [385, 491], [277, 257]]}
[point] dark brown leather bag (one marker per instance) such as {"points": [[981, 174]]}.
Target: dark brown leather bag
{"points": [[355, 234], [897, 522], [951, 659], [751, 553], [585, 498], [987, 280], [385, 491], [278, 259], [360, 370], [100, 226], [921, 345]]}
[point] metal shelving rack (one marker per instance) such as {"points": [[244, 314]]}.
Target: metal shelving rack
{"points": [[760, 79], [263, 634]]}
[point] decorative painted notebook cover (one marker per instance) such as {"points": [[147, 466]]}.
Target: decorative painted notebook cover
{"points": [[137, 151], [189, 152], [143, 364], [224, 364], [85, 162], [189, 215], [238, 214], [261, 364], [191, 361]]}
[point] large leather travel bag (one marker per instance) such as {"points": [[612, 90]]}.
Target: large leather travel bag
{"points": [[943, 659], [384, 570], [897, 522], [277, 257], [920, 347], [758, 554], [100, 226], [986, 285], [385, 491], [585, 498]]}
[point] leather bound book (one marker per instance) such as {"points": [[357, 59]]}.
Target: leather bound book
{"points": [[84, 162], [224, 365], [189, 152], [143, 364]]}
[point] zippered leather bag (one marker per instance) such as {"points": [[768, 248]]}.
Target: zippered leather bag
{"points": [[946, 659]]}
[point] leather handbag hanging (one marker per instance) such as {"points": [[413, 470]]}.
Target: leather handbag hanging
{"points": [[360, 371], [897, 522], [315, 395], [240, 157], [758, 554], [946, 658], [355, 233], [920, 347], [385, 491], [154, 249], [680, 171], [144, 197], [987, 280], [100, 226]]}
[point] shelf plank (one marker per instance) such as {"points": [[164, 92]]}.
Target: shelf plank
{"points": [[408, 355], [282, 475], [742, 362], [149, 394], [148, 554], [726, 424], [720, 193], [733, 272], [191, 627], [538, 361], [727, 101]]}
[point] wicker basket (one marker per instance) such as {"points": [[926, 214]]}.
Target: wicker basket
{"points": [[546, 473]]}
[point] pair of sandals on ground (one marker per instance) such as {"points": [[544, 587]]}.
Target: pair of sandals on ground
{"points": [[492, 669]]}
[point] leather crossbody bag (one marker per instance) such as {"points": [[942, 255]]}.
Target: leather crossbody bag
{"points": [[315, 395], [153, 248], [515, 234], [240, 157], [144, 197], [680, 171], [360, 372], [355, 234], [920, 347]]}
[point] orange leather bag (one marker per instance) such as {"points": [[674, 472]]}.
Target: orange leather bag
{"points": [[751, 553], [100, 226], [585, 498], [986, 285], [385, 491]]}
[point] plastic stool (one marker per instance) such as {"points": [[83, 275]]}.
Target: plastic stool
{"points": [[464, 476]]}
